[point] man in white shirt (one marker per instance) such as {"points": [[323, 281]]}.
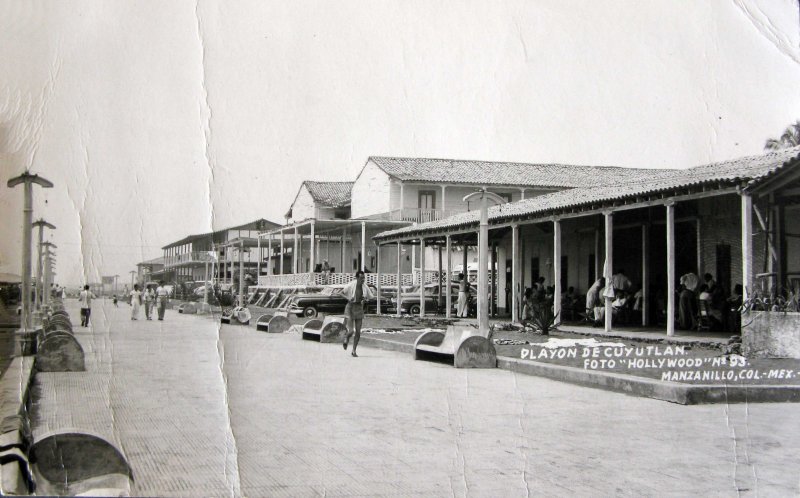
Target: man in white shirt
{"points": [[162, 295], [85, 300]]}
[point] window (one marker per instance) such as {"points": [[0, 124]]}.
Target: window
{"points": [[427, 199], [505, 195]]}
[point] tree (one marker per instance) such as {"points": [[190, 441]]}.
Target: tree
{"points": [[790, 138]]}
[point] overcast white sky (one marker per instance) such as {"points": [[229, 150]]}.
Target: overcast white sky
{"points": [[158, 119]]}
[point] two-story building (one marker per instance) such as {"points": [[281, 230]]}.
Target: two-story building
{"points": [[220, 252], [737, 220], [392, 192]]}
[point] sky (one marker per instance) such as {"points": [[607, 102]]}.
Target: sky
{"points": [[156, 120]]}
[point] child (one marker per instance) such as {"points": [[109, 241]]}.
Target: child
{"points": [[115, 300]]}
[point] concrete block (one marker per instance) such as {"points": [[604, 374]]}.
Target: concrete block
{"points": [[771, 334], [77, 463], [60, 352]]}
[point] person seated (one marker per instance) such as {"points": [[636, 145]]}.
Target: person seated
{"points": [[687, 307], [620, 282], [638, 297], [732, 315], [704, 299], [595, 304], [527, 305], [569, 302]]}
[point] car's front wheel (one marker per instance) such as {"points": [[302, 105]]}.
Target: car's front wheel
{"points": [[310, 312], [414, 310]]}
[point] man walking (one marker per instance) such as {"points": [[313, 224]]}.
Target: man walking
{"points": [[149, 300], [85, 300], [356, 292], [162, 294]]}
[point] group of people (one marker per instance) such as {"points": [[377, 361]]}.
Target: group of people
{"points": [[150, 298], [621, 292], [707, 300]]}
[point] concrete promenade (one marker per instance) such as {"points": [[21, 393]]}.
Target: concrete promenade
{"points": [[235, 412]]}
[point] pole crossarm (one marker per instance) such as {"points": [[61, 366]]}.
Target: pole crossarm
{"points": [[27, 177]]}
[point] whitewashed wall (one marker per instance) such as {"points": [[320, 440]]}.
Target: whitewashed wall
{"points": [[303, 207], [371, 192]]}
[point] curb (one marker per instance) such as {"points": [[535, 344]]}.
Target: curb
{"points": [[15, 433], [673, 392]]}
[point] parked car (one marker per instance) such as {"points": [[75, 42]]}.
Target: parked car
{"points": [[328, 300], [411, 300]]}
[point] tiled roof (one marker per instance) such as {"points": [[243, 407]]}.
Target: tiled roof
{"points": [[259, 224], [746, 169], [330, 194], [506, 173]]}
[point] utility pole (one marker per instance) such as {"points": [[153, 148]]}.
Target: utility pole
{"points": [[27, 180], [133, 276]]}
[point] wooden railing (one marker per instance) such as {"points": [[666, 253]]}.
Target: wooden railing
{"points": [[319, 279], [413, 215]]}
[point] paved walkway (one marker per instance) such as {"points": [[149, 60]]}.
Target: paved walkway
{"points": [[245, 413]]}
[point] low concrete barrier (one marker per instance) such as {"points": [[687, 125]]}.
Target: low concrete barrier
{"points": [[331, 329], [74, 462], [237, 315], [276, 323], [59, 351], [16, 477], [464, 347]]}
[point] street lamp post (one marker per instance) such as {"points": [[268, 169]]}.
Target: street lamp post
{"points": [[484, 197], [133, 276], [40, 289], [48, 262], [116, 277], [27, 179]]}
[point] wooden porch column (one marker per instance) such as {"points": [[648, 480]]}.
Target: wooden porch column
{"points": [[747, 246], [378, 272], [280, 263], [448, 278], [269, 255], [699, 250], [597, 268], [295, 251], [421, 277], [344, 246], [645, 276], [260, 257], [312, 249], [522, 194], [609, 235], [466, 272], [557, 269], [399, 280], [515, 273], [493, 276], [363, 245], [670, 268], [441, 290]]}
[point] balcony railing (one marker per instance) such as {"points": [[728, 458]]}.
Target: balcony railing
{"points": [[319, 279], [414, 215], [197, 257]]}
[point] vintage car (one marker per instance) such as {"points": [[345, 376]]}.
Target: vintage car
{"points": [[329, 300], [411, 301]]}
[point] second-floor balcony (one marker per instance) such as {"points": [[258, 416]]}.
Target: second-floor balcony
{"points": [[189, 258], [414, 215]]}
